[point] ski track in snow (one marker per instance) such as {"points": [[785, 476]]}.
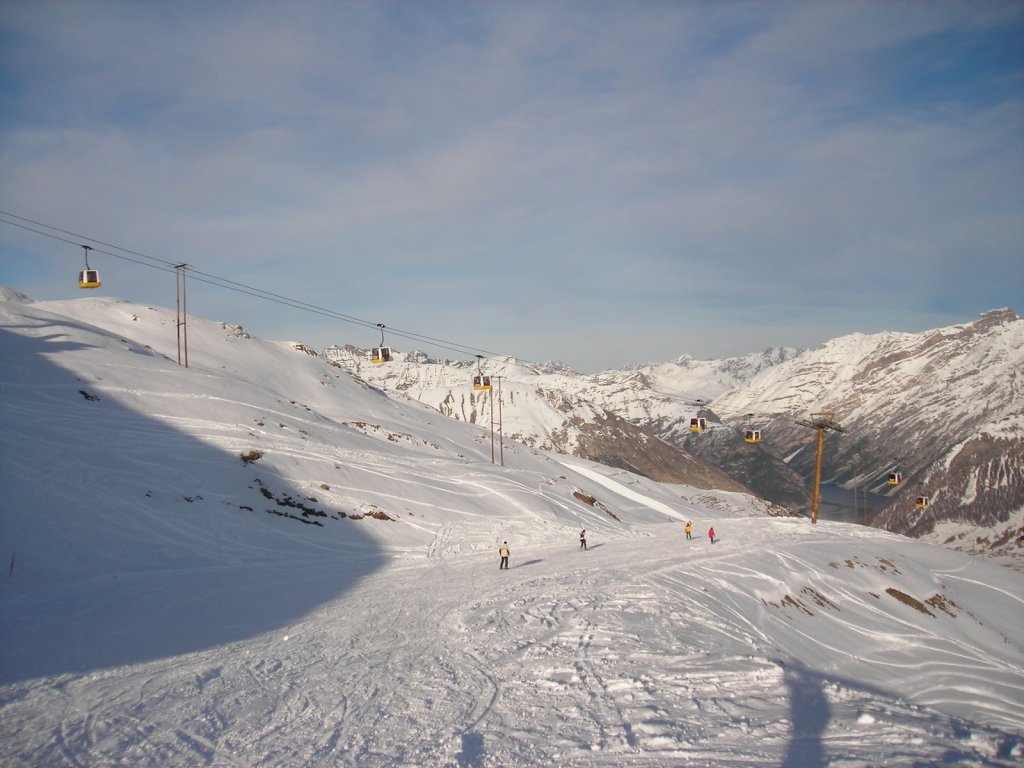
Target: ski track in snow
{"points": [[568, 658]]}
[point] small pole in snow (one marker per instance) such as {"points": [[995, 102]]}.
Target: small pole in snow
{"points": [[11, 571]]}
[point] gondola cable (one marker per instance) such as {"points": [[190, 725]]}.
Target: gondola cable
{"points": [[225, 283]]}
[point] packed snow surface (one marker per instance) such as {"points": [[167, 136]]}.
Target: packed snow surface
{"points": [[334, 598]]}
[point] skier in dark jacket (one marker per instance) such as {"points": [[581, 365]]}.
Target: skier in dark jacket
{"points": [[583, 539]]}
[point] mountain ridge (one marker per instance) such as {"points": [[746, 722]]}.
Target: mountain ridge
{"points": [[907, 398]]}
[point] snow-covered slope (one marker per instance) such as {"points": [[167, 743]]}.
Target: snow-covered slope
{"points": [[945, 407], [629, 418], [261, 561]]}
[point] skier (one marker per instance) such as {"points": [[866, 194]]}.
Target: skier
{"points": [[711, 534], [503, 550], [689, 529], [583, 539]]}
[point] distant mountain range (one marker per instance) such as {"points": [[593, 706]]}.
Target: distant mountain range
{"points": [[944, 408]]}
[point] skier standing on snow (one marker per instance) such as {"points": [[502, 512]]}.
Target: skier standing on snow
{"points": [[583, 539], [689, 529], [711, 534], [503, 550]]}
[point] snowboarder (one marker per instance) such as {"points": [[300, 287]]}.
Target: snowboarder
{"points": [[689, 529], [711, 534], [503, 551], [583, 539]]}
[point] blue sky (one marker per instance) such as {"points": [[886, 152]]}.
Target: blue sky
{"points": [[602, 183]]}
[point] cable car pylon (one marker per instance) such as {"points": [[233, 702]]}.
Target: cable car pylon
{"points": [[820, 422]]}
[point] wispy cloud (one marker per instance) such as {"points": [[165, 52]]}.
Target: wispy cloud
{"points": [[654, 178]]}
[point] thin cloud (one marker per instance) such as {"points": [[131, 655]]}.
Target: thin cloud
{"points": [[615, 168]]}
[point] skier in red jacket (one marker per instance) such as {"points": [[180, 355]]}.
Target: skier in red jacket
{"points": [[711, 535]]}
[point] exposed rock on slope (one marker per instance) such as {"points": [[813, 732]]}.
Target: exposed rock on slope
{"points": [[946, 407], [554, 408]]}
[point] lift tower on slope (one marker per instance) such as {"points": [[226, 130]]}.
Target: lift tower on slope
{"points": [[820, 422]]}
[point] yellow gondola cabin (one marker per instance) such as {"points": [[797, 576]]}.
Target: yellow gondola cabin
{"points": [[89, 278]]}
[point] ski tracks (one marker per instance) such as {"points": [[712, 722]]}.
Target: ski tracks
{"points": [[575, 668], [569, 658]]}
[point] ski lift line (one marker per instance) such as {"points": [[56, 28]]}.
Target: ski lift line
{"points": [[296, 303], [225, 283], [171, 266], [741, 413], [39, 232], [168, 268], [209, 279], [80, 237], [258, 293]]}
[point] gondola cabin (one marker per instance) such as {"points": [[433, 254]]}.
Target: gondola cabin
{"points": [[752, 436], [698, 424], [895, 478], [380, 355], [482, 383], [89, 278], [921, 502]]}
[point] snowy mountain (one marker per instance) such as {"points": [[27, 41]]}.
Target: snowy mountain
{"points": [[633, 419], [260, 560], [943, 407]]}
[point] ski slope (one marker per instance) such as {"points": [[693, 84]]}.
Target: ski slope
{"points": [[337, 601]]}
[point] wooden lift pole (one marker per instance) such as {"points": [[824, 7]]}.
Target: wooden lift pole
{"points": [[501, 429], [820, 422], [816, 494], [182, 308]]}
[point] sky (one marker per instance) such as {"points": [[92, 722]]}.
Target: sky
{"points": [[599, 183]]}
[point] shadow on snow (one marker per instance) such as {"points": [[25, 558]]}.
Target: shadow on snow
{"points": [[135, 541], [810, 714]]}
